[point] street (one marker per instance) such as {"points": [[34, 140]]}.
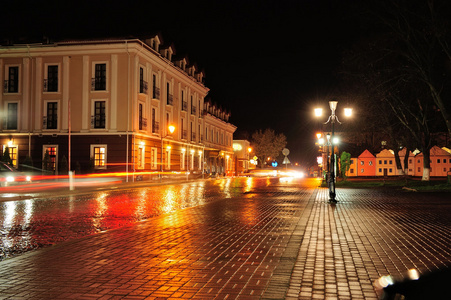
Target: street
{"points": [[230, 238]]}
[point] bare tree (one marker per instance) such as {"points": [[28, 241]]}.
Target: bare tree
{"points": [[268, 144]]}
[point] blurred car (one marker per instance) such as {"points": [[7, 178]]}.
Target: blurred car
{"points": [[9, 176]]}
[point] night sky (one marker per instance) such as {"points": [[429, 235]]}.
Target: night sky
{"points": [[269, 61]]}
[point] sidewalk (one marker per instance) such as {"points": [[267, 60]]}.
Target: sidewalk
{"points": [[274, 242]]}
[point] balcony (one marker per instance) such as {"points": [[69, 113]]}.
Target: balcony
{"points": [[142, 124], [193, 110], [155, 127], [184, 105], [170, 100], [143, 87], [98, 84], [98, 121], [193, 136], [184, 134], [156, 92], [49, 123], [50, 85]]}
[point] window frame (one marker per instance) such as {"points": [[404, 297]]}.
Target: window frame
{"points": [[46, 114], [17, 117], [46, 78], [7, 82], [94, 81], [93, 114], [93, 156]]}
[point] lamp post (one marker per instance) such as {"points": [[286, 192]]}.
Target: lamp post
{"points": [[330, 141], [171, 129]]}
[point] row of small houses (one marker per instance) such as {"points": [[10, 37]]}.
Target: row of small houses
{"points": [[383, 164]]}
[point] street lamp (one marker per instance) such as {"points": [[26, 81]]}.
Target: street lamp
{"points": [[331, 141], [171, 129]]}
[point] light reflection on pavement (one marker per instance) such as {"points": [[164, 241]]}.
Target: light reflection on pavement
{"points": [[35, 223]]}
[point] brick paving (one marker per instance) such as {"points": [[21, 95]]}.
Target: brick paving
{"points": [[280, 241]]}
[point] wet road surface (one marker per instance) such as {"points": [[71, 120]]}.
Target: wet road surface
{"points": [[35, 223], [251, 239]]}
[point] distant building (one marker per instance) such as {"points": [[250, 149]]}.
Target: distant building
{"points": [[385, 163], [117, 98], [440, 162], [242, 156]]}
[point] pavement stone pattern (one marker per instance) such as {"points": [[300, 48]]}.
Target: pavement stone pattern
{"points": [[280, 241]]}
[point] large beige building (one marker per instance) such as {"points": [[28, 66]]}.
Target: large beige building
{"points": [[107, 105]]}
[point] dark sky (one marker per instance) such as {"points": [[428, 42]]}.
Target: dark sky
{"points": [[267, 61]]}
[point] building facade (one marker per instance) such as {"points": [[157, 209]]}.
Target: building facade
{"points": [[383, 164], [106, 105]]}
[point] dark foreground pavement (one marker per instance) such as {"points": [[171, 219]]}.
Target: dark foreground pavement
{"points": [[282, 241]]}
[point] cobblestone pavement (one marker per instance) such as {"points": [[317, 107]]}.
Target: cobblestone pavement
{"points": [[275, 241]]}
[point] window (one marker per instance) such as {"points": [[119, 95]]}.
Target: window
{"points": [[12, 152], [99, 156], [49, 163], [155, 124], [155, 89], [438, 160], [12, 83], [362, 170], [142, 82], [141, 120], [153, 158], [98, 120], [385, 162], [444, 169], [362, 163], [380, 170], [51, 83], [410, 161], [99, 82], [51, 117], [141, 157], [444, 160], [182, 160], [169, 97], [380, 162], [168, 158], [12, 115], [419, 170], [370, 163], [192, 160]]}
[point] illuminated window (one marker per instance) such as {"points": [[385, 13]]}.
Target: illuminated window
{"points": [[141, 157], [362, 163], [99, 156], [168, 158], [50, 164], [153, 158], [182, 160], [370, 163], [12, 151]]}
